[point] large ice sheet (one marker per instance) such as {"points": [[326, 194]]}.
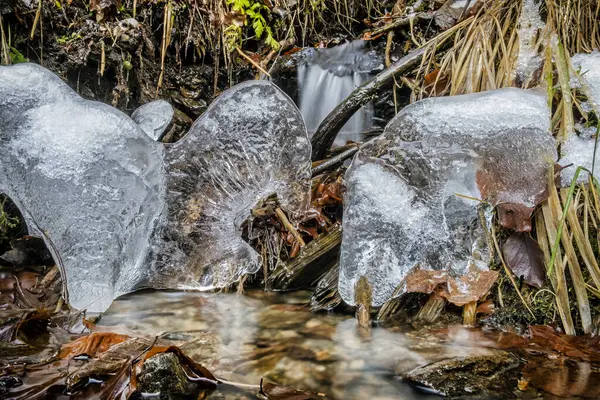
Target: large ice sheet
{"points": [[579, 150], [121, 211], [402, 208], [249, 144], [85, 177]]}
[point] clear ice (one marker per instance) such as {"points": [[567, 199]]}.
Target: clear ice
{"points": [[411, 193], [86, 179], [530, 25], [249, 144], [119, 210], [154, 118], [579, 150]]}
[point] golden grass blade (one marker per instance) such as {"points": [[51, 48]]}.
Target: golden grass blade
{"points": [[583, 245], [558, 284], [562, 68], [559, 216], [507, 271]]}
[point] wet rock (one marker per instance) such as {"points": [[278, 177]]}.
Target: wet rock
{"points": [[27, 251], [164, 374], [494, 374], [191, 106]]}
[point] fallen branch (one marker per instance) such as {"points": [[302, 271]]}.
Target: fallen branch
{"points": [[333, 123], [312, 261], [334, 162]]}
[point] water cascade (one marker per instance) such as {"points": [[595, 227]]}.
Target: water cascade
{"points": [[326, 77]]}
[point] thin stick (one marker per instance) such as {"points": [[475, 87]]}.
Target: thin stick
{"points": [[289, 226], [508, 273], [334, 162], [38, 13], [251, 61], [102, 58], [4, 43]]}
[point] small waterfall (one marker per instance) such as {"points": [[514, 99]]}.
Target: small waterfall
{"points": [[326, 77]]}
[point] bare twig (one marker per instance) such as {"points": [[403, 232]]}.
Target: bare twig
{"points": [[251, 61], [36, 20], [334, 162], [288, 225]]}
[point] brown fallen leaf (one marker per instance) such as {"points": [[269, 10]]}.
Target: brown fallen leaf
{"points": [[94, 343], [110, 361], [459, 291], [525, 258], [514, 216]]}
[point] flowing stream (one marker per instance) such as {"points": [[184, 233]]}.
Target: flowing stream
{"points": [[275, 336], [326, 77]]}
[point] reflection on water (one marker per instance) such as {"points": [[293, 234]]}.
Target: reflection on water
{"points": [[244, 338]]}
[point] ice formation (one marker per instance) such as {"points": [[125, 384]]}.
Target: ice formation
{"points": [[530, 25], [402, 208], [579, 150], [249, 144], [121, 211], [154, 118], [85, 177]]}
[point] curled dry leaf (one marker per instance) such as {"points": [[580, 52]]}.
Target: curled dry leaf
{"points": [[109, 362], [525, 258], [95, 343], [462, 290]]}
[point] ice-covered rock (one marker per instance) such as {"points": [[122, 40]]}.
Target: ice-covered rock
{"points": [[411, 193], [250, 143], [85, 177], [154, 118], [579, 150], [119, 210]]}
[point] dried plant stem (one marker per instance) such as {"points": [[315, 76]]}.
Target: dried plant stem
{"points": [[432, 309], [166, 40], [470, 314], [508, 273], [558, 279], [36, 20], [288, 225], [251, 61], [4, 44]]}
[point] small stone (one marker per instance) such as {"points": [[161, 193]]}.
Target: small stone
{"points": [[164, 374], [493, 374]]}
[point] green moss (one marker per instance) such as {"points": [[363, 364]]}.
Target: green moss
{"points": [[7, 221]]}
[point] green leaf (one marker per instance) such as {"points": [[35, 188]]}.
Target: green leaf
{"points": [[259, 28], [16, 57]]}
